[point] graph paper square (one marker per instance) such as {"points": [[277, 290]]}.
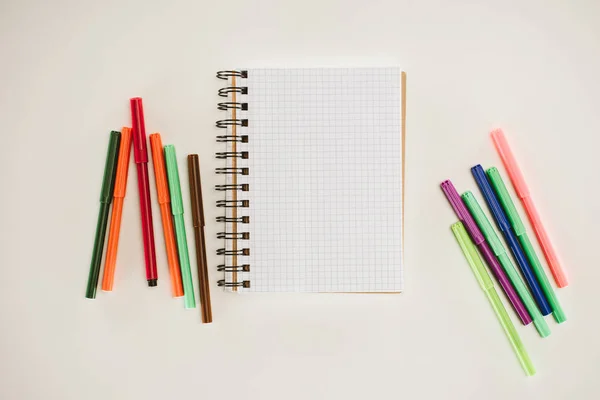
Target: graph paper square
{"points": [[325, 180]]}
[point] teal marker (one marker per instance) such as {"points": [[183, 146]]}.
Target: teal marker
{"points": [[179, 223], [507, 265], [519, 228]]}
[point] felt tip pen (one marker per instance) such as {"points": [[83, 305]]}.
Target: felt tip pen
{"points": [[487, 286], [177, 211], [516, 177], [500, 252], [140, 155], [519, 228], [511, 239], [117, 210], [199, 236], [106, 195], [463, 215], [164, 202]]}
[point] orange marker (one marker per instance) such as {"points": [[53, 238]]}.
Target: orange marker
{"points": [[117, 211], [164, 201]]}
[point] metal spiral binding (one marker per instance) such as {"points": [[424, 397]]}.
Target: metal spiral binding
{"points": [[231, 138], [224, 123], [230, 235], [240, 252], [223, 283], [229, 105], [227, 74], [231, 268], [244, 187], [232, 205], [232, 171], [233, 154], [238, 220], [224, 92]]}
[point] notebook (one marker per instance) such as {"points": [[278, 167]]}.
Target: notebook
{"points": [[313, 179]]}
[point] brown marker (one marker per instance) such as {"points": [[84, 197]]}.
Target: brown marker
{"points": [[198, 220]]}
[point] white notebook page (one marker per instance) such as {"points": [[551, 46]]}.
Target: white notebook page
{"points": [[325, 176]]}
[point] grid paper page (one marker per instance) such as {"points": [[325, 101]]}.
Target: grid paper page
{"points": [[325, 176]]}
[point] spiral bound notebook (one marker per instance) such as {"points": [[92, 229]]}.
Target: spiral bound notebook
{"points": [[314, 178]]}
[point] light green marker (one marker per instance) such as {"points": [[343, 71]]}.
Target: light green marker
{"points": [[500, 253], [486, 284], [179, 223], [519, 228]]}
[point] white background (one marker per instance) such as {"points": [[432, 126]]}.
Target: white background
{"points": [[68, 69]]}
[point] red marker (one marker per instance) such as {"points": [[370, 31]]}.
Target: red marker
{"points": [[140, 155]]}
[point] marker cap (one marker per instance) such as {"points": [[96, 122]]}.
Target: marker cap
{"points": [[123, 163], [460, 210], [173, 177], [108, 181], [483, 223], [506, 201], [162, 185], [140, 149]]}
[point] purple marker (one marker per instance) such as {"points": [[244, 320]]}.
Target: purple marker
{"points": [[485, 250]]}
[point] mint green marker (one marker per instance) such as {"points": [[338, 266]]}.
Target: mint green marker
{"points": [[519, 228], [470, 252], [179, 223], [509, 268]]}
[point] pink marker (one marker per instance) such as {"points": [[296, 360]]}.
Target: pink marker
{"points": [[516, 177]]}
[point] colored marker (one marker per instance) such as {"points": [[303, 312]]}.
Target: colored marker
{"points": [[516, 177], [106, 195], [519, 229], [488, 287], [177, 210], [117, 210], [140, 155], [464, 216], [500, 252], [199, 236], [164, 201], [511, 239]]}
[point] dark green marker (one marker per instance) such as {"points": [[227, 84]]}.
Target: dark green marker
{"points": [[106, 195]]}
